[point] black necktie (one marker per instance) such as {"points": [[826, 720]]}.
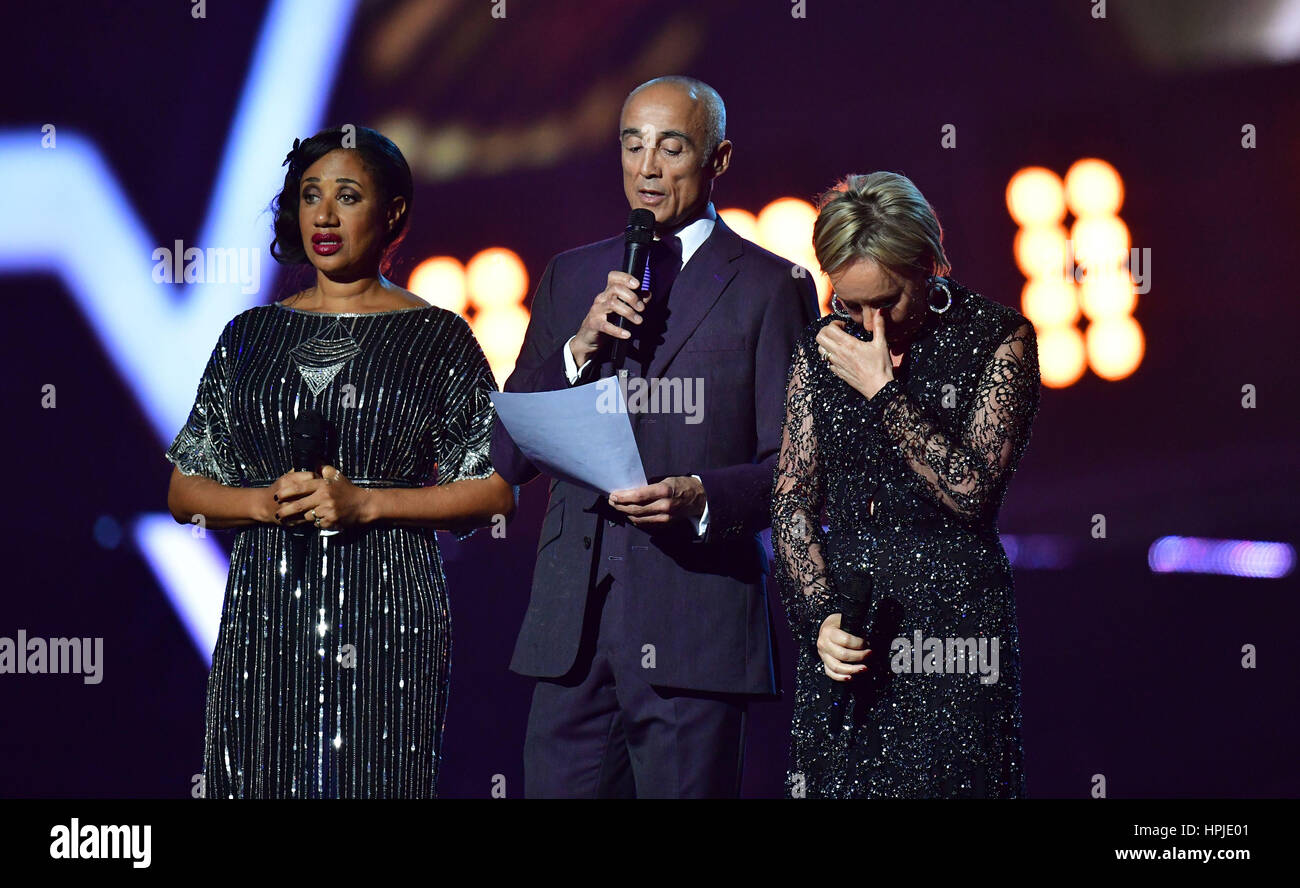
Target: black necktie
{"points": [[661, 271]]}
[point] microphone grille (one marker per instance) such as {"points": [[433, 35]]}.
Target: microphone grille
{"points": [[640, 226]]}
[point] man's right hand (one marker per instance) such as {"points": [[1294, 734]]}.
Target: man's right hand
{"points": [[618, 297]]}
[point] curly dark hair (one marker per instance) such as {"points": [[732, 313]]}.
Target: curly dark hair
{"points": [[381, 158]]}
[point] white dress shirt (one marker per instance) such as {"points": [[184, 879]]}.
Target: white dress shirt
{"points": [[692, 235]]}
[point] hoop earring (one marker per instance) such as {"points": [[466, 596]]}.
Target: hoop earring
{"points": [[838, 308], [937, 289]]}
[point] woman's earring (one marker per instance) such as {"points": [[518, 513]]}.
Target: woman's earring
{"points": [[837, 307], [938, 297]]}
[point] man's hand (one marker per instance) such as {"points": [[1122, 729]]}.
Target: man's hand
{"points": [[617, 298], [677, 497]]}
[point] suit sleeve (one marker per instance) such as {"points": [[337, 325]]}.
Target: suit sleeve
{"points": [[539, 368], [740, 496]]}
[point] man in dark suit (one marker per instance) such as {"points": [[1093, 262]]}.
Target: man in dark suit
{"points": [[648, 626]]}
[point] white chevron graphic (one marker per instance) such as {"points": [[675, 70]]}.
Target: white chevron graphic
{"points": [[159, 336]]}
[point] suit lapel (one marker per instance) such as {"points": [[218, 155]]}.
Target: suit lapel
{"points": [[698, 287]]}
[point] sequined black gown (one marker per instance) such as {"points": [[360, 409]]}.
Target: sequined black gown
{"points": [[335, 685], [933, 451]]}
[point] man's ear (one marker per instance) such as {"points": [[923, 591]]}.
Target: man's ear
{"points": [[721, 158]]}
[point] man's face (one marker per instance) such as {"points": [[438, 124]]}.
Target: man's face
{"points": [[664, 152]]}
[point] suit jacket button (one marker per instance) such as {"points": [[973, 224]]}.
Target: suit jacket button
{"points": [[611, 522], [586, 542]]}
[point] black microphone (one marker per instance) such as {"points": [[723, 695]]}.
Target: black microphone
{"points": [[637, 238], [307, 439], [854, 592]]}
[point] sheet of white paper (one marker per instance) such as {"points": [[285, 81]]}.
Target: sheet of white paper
{"points": [[581, 434]]}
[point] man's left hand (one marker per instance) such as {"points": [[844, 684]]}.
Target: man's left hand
{"points": [[675, 498]]}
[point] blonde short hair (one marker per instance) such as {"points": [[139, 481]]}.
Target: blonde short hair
{"points": [[880, 216]]}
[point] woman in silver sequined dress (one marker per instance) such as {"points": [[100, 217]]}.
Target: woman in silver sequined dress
{"points": [[908, 410], [329, 677]]}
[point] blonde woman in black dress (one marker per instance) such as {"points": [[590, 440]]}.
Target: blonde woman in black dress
{"points": [[908, 410]]}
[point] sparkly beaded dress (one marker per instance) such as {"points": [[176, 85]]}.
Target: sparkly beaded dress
{"points": [[334, 683], [912, 481]]}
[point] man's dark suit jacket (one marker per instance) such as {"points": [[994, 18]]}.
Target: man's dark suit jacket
{"points": [[734, 314]]}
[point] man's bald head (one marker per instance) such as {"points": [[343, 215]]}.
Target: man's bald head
{"points": [[709, 105]]}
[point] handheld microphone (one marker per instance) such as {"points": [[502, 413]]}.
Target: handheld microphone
{"points": [[854, 592], [855, 602], [307, 441], [637, 238], [307, 451]]}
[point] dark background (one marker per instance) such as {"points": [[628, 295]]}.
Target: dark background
{"points": [[1128, 674]]}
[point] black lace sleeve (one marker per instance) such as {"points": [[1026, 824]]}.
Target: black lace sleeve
{"points": [[965, 476], [797, 500]]}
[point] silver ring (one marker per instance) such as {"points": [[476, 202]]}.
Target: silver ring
{"points": [[317, 521]]}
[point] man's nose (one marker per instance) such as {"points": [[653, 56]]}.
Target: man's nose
{"points": [[649, 165]]}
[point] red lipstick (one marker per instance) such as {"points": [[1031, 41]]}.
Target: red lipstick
{"points": [[326, 244]]}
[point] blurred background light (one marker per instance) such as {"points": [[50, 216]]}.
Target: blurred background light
{"points": [[743, 222], [1086, 272], [1115, 346], [1050, 302], [1107, 295], [1093, 188], [489, 292], [1036, 197], [1061, 357], [441, 281], [1041, 251], [496, 278], [1237, 558], [1101, 243], [1039, 551]]}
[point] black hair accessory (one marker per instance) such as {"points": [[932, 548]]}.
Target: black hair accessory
{"points": [[291, 159]]}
